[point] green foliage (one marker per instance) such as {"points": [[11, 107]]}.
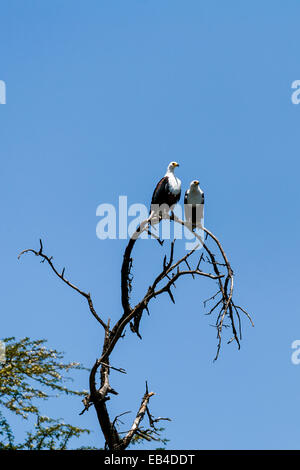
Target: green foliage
{"points": [[30, 374], [6, 435]]}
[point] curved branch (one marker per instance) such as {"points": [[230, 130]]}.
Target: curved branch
{"points": [[61, 276], [226, 289]]}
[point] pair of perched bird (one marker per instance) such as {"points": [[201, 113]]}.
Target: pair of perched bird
{"points": [[167, 193]]}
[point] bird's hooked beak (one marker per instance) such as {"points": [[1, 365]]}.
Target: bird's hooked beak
{"points": [[196, 183], [176, 164]]}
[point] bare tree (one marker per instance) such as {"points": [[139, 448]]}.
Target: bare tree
{"points": [[223, 308]]}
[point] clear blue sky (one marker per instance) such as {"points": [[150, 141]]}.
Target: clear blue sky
{"points": [[101, 95]]}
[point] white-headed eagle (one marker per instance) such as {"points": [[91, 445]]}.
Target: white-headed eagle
{"points": [[194, 205], [167, 192]]}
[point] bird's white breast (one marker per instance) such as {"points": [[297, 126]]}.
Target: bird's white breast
{"points": [[174, 183], [195, 197]]}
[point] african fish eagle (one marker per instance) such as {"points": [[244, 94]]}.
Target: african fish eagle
{"points": [[194, 205], [167, 192]]}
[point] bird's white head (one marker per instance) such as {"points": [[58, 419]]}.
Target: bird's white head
{"points": [[194, 184], [172, 166]]}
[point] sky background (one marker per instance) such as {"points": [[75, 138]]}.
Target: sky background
{"points": [[101, 96]]}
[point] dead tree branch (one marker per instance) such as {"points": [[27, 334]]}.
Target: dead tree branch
{"points": [[61, 276], [165, 281]]}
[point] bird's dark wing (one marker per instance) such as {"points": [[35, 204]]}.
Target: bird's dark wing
{"points": [[186, 196], [160, 192], [187, 208], [203, 197]]}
